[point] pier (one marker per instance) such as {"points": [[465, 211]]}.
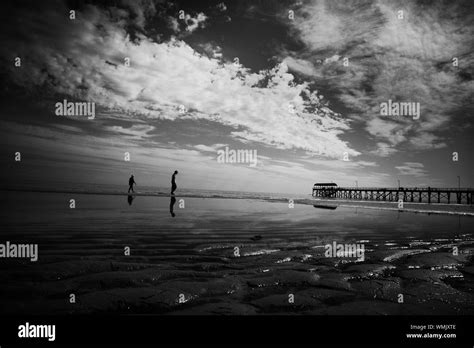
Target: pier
{"points": [[407, 194]]}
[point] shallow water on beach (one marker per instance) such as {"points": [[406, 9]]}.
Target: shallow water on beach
{"points": [[229, 256]]}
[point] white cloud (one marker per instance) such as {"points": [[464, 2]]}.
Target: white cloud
{"points": [[300, 65], [188, 23], [135, 132], [412, 169], [221, 7], [384, 150], [332, 59], [163, 76], [388, 130], [206, 148], [193, 23], [389, 58], [427, 141]]}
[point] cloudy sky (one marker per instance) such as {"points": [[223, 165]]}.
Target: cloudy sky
{"points": [[300, 82]]}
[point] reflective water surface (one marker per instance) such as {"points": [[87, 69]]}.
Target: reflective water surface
{"points": [[230, 256]]}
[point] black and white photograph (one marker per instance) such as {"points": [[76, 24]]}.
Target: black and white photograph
{"points": [[243, 159]]}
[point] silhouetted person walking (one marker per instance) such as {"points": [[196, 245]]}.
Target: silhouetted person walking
{"points": [[131, 182], [173, 182]]}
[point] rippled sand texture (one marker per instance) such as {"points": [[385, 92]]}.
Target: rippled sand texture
{"points": [[190, 257]]}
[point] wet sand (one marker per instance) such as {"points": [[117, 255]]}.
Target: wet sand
{"points": [[187, 264], [408, 207]]}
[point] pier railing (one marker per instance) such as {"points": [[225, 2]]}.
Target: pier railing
{"points": [[395, 194], [409, 188]]}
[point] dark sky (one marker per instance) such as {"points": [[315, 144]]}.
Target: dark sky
{"points": [[249, 75]]}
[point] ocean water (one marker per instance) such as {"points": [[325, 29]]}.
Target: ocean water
{"points": [[229, 256], [112, 189]]}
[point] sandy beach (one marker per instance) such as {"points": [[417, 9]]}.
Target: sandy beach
{"points": [[187, 264]]}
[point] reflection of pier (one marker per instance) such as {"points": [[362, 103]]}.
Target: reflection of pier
{"points": [[407, 194], [325, 206]]}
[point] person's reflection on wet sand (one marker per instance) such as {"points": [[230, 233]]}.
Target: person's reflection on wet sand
{"points": [[172, 202], [130, 199]]}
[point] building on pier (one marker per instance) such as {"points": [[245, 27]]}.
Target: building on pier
{"points": [[324, 189]]}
